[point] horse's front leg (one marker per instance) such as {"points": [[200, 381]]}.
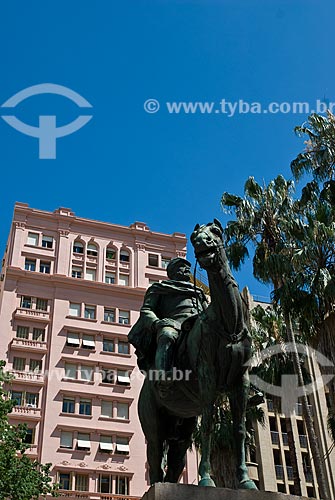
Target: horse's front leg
{"points": [[238, 398], [206, 432]]}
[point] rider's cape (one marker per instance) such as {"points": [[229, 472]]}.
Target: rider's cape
{"points": [[141, 335]]}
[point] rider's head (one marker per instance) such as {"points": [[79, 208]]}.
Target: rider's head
{"points": [[179, 269]]}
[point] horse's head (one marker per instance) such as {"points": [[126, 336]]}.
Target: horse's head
{"points": [[207, 243]]}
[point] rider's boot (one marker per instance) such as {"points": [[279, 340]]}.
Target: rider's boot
{"points": [[163, 364]]}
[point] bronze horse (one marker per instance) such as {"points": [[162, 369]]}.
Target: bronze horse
{"points": [[214, 350]]}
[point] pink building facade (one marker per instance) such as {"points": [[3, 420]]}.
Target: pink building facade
{"points": [[71, 289]]}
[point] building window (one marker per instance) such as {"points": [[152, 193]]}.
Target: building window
{"points": [[90, 274], [17, 397], [83, 441], [78, 247], [108, 376], [30, 265], [124, 280], [32, 239], [123, 348], [153, 259], [92, 250], [42, 304], [108, 345], [66, 440], [124, 317], [26, 302], [29, 437], [19, 364], [107, 409], [70, 370], [85, 407], [109, 315], [88, 342], [39, 334], [72, 339], [122, 445], [22, 332], [124, 256], [81, 483], [123, 377], [165, 262], [105, 483], [110, 253], [68, 405], [65, 481], [86, 373], [32, 399], [35, 365], [110, 278], [90, 312], [75, 309], [106, 444], [122, 410], [47, 241], [45, 267], [77, 272], [122, 485]]}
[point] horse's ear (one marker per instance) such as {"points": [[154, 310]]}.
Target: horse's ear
{"points": [[218, 223], [196, 227]]}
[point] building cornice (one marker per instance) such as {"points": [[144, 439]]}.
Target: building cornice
{"points": [[68, 219], [54, 280]]}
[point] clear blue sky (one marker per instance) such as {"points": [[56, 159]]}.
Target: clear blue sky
{"points": [[164, 169]]}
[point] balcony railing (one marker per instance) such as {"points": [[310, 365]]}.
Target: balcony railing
{"points": [[290, 473], [93, 496], [26, 411], [24, 344], [32, 451], [275, 437], [299, 410], [308, 475], [35, 314], [31, 377], [284, 436], [270, 405], [303, 440], [279, 471]]}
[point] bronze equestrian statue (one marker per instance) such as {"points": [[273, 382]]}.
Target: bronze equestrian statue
{"points": [[192, 354]]}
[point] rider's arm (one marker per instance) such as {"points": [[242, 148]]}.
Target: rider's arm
{"points": [[149, 310]]}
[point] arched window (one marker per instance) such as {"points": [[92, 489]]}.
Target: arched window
{"points": [[78, 247], [124, 256], [110, 253], [92, 250]]}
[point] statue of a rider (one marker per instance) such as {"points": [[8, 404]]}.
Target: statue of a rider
{"points": [[167, 305]]}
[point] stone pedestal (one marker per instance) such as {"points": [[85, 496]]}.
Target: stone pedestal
{"points": [[169, 491]]}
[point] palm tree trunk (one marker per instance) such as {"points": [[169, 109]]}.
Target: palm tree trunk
{"points": [[313, 441], [223, 464]]}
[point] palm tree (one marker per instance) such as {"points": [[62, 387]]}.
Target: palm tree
{"points": [[318, 200], [268, 219]]}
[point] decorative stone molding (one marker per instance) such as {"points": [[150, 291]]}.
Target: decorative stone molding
{"points": [[181, 254], [20, 225], [63, 232], [82, 464], [65, 462], [140, 247], [106, 466], [122, 468]]}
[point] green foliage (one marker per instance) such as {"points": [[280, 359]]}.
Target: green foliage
{"points": [[20, 477], [319, 155]]}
